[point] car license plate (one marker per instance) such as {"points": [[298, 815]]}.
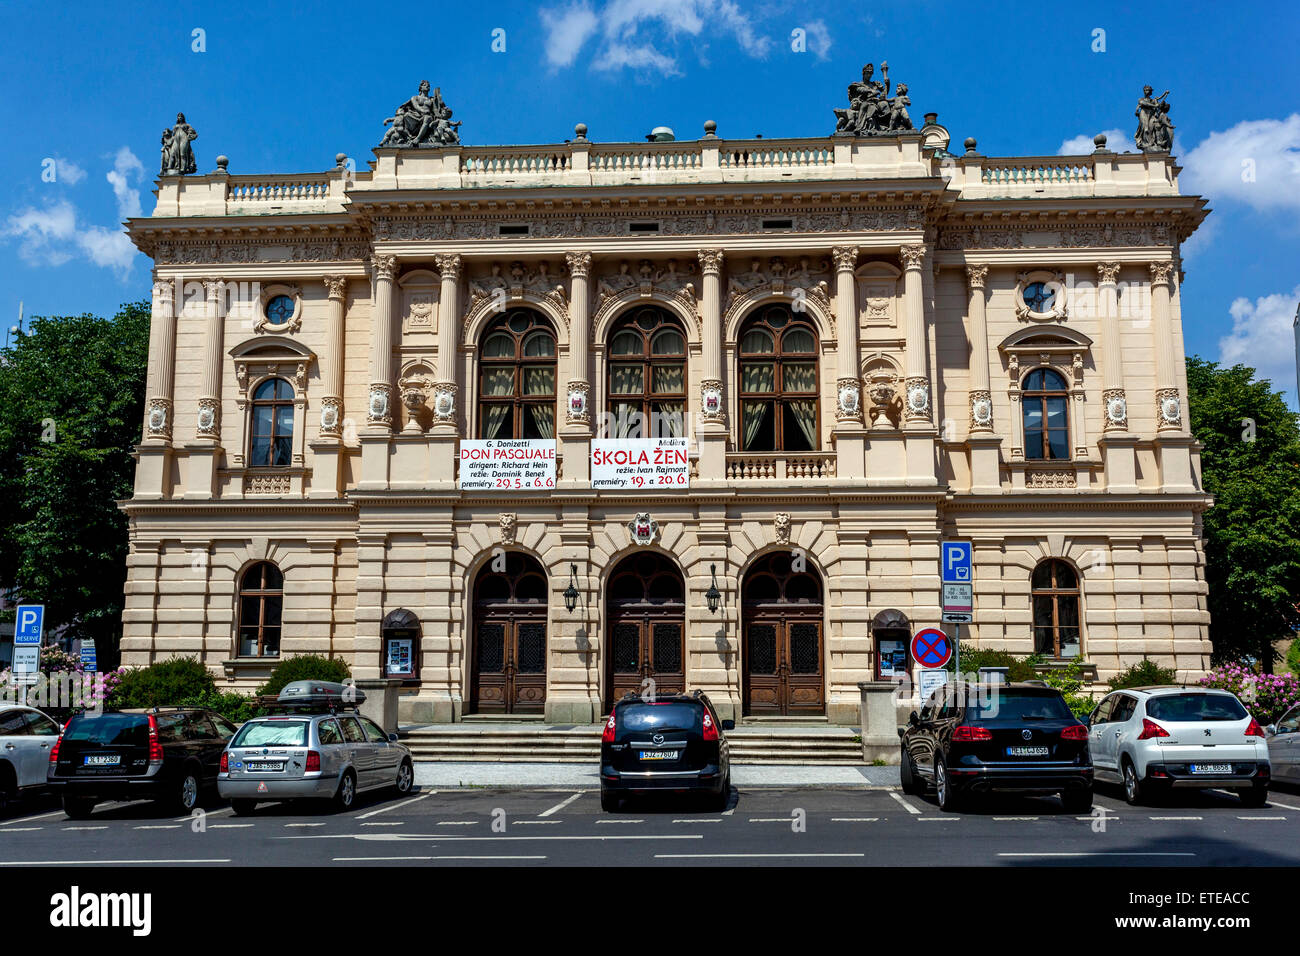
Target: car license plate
{"points": [[264, 765], [1211, 768], [659, 754], [103, 760], [1026, 751]]}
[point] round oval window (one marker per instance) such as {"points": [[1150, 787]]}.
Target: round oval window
{"points": [[279, 310]]}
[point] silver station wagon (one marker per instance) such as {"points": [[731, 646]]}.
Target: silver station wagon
{"points": [[306, 755]]}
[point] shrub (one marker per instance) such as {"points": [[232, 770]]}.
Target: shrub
{"points": [[306, 667], [236, 708], [972, 659], [1144, 673], [1266, 696], [165, 683], [1069, 682], [1293, 657]]}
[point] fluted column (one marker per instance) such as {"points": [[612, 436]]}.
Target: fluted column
{"points": [[578, 406], [1169, 406], [379, 411], [848, 382], [981, 395], [917, 398], [444, 385], [209, 415], [331, 409], [713, 409], [1114, 402], [162, 362]]}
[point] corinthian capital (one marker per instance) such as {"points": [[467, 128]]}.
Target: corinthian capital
{"points": [[976, 275], [336, 286], [1160, 272], [1107, 272], [448, 265], [383, 266], [846, 258], [212, 287], [913, 256], [711, 261], [579, 263], [164, 291]]}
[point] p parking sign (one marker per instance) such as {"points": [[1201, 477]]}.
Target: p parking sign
{"points": [[29, 622], [955, 561]]}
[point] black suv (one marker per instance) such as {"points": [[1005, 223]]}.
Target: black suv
{"points": [[669, 742], [981, 738], [169, 754]]}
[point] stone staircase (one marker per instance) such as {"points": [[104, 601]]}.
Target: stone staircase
{"points": [[516, 742]]}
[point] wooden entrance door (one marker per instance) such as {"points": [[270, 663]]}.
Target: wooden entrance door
{"points": [[645, 629], [783, 647], [508, 670]]}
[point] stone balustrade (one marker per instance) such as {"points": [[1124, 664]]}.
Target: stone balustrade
{"points": [[779, 466]]}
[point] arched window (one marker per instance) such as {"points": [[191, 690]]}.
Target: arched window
{"points": [[271, 445], [1046, 406], [647, 376], [778, 382], [261, 601], [1056, 609], [517, 377]]}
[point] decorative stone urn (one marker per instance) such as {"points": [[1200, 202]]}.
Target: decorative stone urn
{"points": [[414, 391], [882, 391]]}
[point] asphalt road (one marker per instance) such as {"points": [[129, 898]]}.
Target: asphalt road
{"points": [[761, 827]]}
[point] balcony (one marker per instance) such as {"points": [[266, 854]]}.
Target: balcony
{"points": [[778, 466]]}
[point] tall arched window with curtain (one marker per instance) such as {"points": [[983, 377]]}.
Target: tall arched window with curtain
{"points": [[778, 382], [517, 377], [1055, 596], [271, 436], [261, 603], [1045, 399], [647, 376]]}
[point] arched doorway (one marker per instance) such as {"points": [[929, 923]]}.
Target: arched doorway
{"points": [[508, 669], [645, 627], [781, 612]]}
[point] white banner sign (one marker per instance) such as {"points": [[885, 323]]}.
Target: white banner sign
{"points": [[640, 463], [501, 464]]}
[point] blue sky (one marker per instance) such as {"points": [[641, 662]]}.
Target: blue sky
{"points": [[284, 87]]}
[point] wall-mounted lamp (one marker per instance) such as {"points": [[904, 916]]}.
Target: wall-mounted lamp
{"points": [[571, 592], [713, 595]]}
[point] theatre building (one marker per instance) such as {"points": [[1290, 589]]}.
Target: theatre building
{"points": [[530, 427]]}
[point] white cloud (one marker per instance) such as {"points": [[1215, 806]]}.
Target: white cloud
{"points": [[1256, 162], [68, 172], [819, 39], [51, 236], [1262, 338], [1082, 144], [634, 33]]}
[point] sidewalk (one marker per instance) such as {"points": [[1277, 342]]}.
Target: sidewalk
{"points": [[448, 776]]}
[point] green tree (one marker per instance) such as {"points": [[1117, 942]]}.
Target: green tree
{"points": [[1250, 463], [71, 406]]}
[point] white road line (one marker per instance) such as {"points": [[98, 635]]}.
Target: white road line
{"points": [[439, 838], [36, 816], [231, 826], [99, 862], [599, 822], [1095, 853], [937, 819], [1177, 818], [910, 808], [1109, 818], [292, 826], [381, 823], [561, 805], [727, 813], [700, 820], [22, 829], [855, 819], [1015, 818], [457, 823], [533, 823], [395, 806], [223, 812], [85, 828], [1284, 806], [387, 859], [1239, 817], [749, 856], [160, 826], [771, 819]]}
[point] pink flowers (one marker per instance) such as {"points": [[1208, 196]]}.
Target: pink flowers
{"points": [[1266, 696]]}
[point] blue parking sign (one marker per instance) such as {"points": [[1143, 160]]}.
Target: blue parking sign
{"points": [[29, 621], [955, 561]]}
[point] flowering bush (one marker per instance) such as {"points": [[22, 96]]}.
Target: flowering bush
{"points": [[63, 686], [1266, 696]]}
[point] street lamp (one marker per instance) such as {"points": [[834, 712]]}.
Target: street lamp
{"points": [[713, 595], [571, 592]]}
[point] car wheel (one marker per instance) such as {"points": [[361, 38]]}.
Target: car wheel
{"points": [[911, 780], [405, 777], [1254, 797], [8, 786], [347, 792], [1134, 791], [718, 802], [1076, 801], [949, 802], [243, 808], [190, 791], [608, 801], [78, 808]]}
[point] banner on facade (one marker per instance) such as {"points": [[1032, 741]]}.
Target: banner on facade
{"points": [[507, 464], [638, 463]]}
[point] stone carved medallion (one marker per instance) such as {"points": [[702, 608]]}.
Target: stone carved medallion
{"points": [[981, 409], [848, 399], [331, 413], [209, 418], [159, 417], [782, 525], [643, 529], [711, 400], [509, 524], [444, 402], [577, 406], [1116, 408], [918, 398], [1170, 408], [377, 412]]}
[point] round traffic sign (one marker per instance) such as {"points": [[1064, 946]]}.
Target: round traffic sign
{"points": [[931, 648]]}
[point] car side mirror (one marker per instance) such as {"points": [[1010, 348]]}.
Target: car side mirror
{"points": [[1271, 730], [728, 725], [912, 719], [392, 738]]}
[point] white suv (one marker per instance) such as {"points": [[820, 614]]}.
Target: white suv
{"points": [[1151, 739]]}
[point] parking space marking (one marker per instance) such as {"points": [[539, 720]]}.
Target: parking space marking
{"points": [[37, 816], [750, 856], [698, 820], [1177, 818], [1095, 853], [292, 825], [598, 822], [395, 806], [381, 823], [937, 819], [389, 859], [855, 819], [23, 829], [101, 862], [910, 809], [223, 812], [86, 828], [160, 826], [523, 823], [1015, 818], [230, 826], [561, 805], [439, 838], [457, 823], [770, 819], [1284, 806], [1241, 817]]}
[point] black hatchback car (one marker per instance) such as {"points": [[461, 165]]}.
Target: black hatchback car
{"points": [[672, 742], [166, 754], [984, 738]]}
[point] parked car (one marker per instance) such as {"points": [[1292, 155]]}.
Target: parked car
{"points": [[994, 738], [26, 737], [168, 754], [315, 751], [1154, 739], [672, 742], [1284, 746]]}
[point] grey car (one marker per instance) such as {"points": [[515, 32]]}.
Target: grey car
{"points": [[26, 736], [1284, 747], [311, 756]]}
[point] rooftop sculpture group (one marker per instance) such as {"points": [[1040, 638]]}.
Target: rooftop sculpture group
{"points": [[1155, 134], [422, 121], [872, 111], [177, 156]]}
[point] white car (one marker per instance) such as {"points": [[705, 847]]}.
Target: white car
{"points": [[26, 736], [1152, 739], [1284, 746]]}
